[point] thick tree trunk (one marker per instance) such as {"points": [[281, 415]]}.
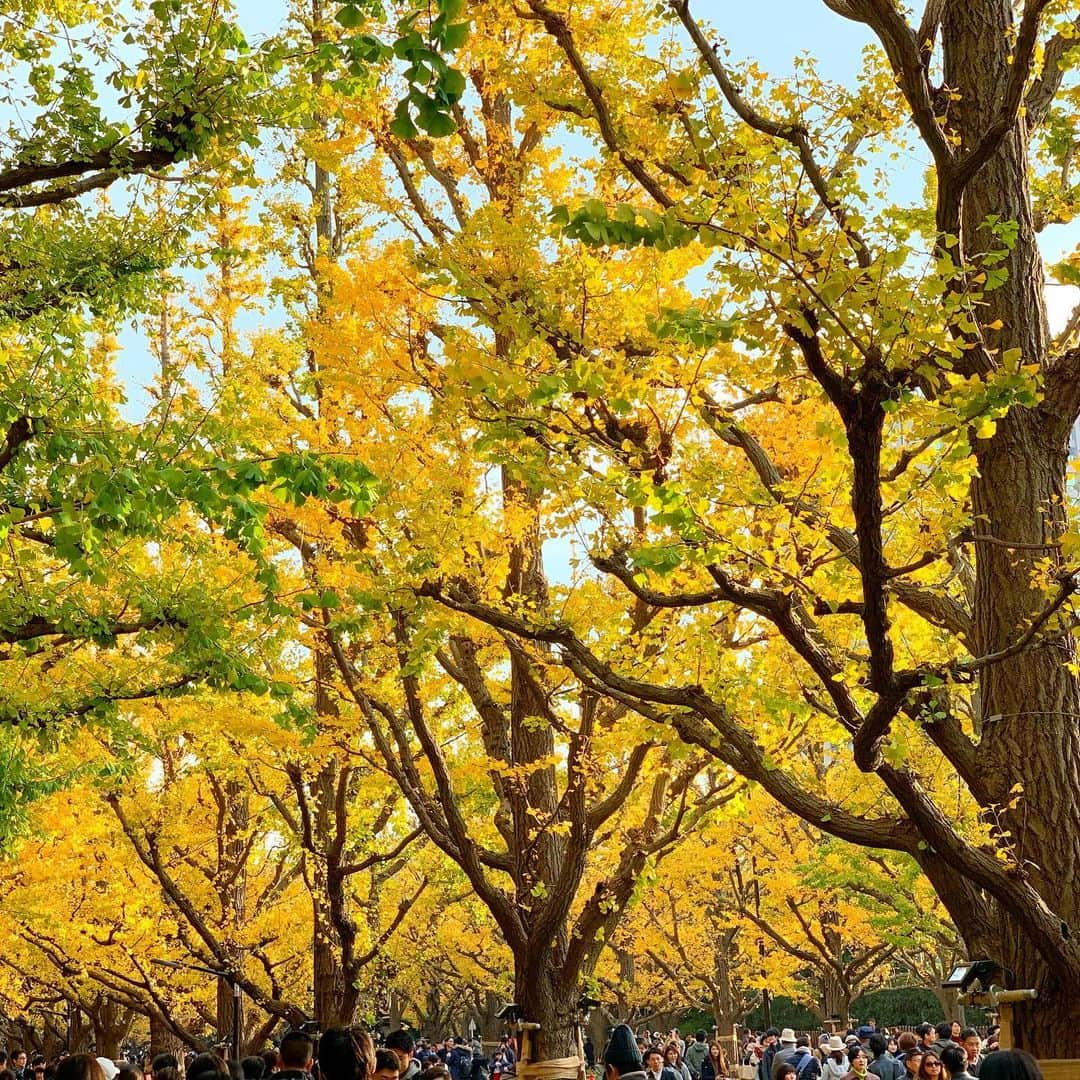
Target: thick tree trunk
{"points": [[544, 1001], [164, 1041], [1030, 702]]}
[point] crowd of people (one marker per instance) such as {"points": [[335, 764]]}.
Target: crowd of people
{"points": [[945, 1052]]}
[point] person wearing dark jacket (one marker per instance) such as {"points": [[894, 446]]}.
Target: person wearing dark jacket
{"points": [[882, 1064], [807, 1066]]}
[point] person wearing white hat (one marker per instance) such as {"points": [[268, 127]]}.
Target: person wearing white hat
{"points": [[108, 1068], [835, 1066], [787, 1046]]}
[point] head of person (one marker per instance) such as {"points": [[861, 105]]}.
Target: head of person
{"points": [[926, 1033], [76, 1067], [18, 1058], [621, 1055], [858, 1060], [271, 1061], [913, 1061], [930, 1067], [784, 1070], [906, 1041], [297, 1049], [944, 1030], [954, 1030], [253, 1068], [6, 1073], [438, 1071], [771, 1035], [654, 1060], [699, 1035], [125, 1072], [386, 1065], [954, 1059], [716, 1051], [168, 1073], [1009, 1065], [403, 1045], [163, 1061], [208, 1067], [346, 1054], [972, 1044], [671, 1053], [877, 1044], [835, 1049], [802, 1041]]}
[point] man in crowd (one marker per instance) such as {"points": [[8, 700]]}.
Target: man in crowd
{"points": [[296, 1055], [696, 1053], [955, 1061], [655, 1069], [403, 1046], [786, 1050], [807, 1066], [972, 1044], [18, 1062], [768, 1053], [882, 1064]]}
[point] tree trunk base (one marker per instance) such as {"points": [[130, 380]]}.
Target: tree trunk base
{"points": [[1060, 1069]]}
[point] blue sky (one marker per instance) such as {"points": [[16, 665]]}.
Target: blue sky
{"points": [[772, 32]]}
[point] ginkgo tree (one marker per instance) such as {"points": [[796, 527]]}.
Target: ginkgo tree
{"points": [[852, 436]]}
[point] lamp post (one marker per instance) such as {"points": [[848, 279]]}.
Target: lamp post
{"points": [[220, 973]]}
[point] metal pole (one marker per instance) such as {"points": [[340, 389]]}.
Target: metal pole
{"points": [[236, 1020]]}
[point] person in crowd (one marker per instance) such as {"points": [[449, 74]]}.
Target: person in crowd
{"points": [[954, 1063], [17, 1062], [296, 1050], [835, 1066], [1010, 1065], [930, 1067], [673, 1060], [622, 1058], [655, 1069], [769, 1048], [954, 1031], [786, 1050], [163, 1061], [912, 1062], [783, 1070], [78, 1067], [438, 1071], [459, 1060], [253, 1068], [858, 1063], [882, 1064], [696, 1053], [807, 1066], [715, 1065], [125, 1072], [346, 1054], [972, 1044], [404, 1046], [944, 1037], [207, 1067], [926, 1034], [386, 1065]]}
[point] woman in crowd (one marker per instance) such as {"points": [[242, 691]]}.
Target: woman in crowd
{"points": [[80, 1067], [930, 1068], [346, 1054], [715, 1064], [858, 1062], [673, 1060]]}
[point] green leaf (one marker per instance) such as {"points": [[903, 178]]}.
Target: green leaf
{"points": [[402, 125], [350, 16]]}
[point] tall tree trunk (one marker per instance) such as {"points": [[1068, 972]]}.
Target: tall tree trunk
{"points": [[1031, 701], [163, 1040]]}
